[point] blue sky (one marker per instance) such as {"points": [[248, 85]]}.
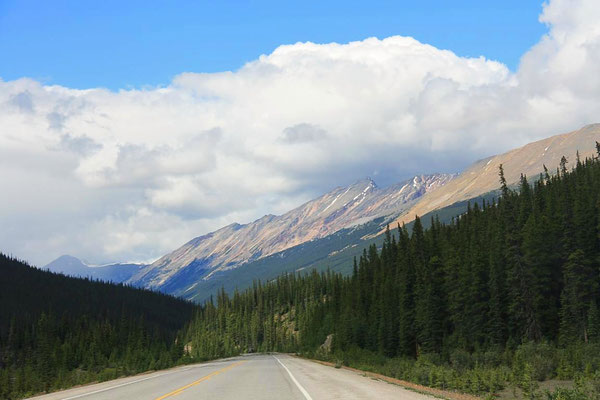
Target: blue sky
{"points": [[124, 44]]}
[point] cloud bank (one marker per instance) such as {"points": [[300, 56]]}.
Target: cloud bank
{"points": [[133, 174]]}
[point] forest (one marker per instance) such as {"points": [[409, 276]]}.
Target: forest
{"points": [[505, 294], [57, 331]]}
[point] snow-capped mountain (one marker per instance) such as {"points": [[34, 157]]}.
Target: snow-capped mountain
{"points": [[234, 245], [72, 266]]}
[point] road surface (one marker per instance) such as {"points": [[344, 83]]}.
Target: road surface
{"points": [[256, 377]]}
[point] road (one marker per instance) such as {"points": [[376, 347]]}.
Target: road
{"points": [[256, 377]]}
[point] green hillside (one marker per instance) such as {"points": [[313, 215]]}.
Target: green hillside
{"points": [[57, 331]]}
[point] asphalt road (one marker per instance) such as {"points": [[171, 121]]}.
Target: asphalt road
{"points": [[256, 377]]}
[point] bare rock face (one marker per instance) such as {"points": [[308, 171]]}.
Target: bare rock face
{"points": [[235, 244], [326, 346], [482, 176]]}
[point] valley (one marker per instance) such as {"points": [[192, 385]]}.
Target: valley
{"points": [[473, 297]]}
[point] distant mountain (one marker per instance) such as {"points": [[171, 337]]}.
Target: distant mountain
{"points": [[236, 245], [72, 266], [482, 176], [478, 182]]}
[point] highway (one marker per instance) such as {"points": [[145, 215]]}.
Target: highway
{"points": [[256, 377]]}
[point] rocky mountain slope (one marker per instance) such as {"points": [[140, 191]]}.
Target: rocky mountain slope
{"points": [[72, 266], [237, 244], [482, 176]]}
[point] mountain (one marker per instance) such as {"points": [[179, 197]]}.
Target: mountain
{"points": [[235, 244], [72, 266], [482, 176], [334, 253]]}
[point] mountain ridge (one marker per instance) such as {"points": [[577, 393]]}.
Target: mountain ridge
{"points": [[74, 267], [237, 244], [530, 159]]}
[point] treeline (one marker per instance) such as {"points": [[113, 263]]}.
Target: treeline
{"points": [[265, 317], [511, 273], [522, 269], [57, 331]]}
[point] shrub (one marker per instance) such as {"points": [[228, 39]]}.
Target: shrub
{"points": [[461, 360], [541, 357]]}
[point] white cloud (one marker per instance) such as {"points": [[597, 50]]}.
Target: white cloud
{"points": [[133, 174], [302, 133]]}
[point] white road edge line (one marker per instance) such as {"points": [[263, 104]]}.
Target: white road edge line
{"points": [[304, 392], [121, 385]]}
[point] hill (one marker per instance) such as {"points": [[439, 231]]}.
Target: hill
{"points": [[58, 331]]}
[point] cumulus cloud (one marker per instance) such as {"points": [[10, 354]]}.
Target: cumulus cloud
{"points": [[133, 174], [301, 133], [82, 144], [22, 101]]}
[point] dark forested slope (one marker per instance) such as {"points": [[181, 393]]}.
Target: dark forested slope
{"points": [[57, 331]]}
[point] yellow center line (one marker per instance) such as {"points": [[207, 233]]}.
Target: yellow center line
{"points": [[205, 378]]}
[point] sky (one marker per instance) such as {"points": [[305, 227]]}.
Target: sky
{"points": [[125, 132], [133, 44]]}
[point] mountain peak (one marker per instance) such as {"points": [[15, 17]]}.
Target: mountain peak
{"points": [[65, 257], [64, 260], [372, 183], [366, 181]]}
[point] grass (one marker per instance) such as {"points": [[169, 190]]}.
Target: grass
{"points": [[551, 385]]}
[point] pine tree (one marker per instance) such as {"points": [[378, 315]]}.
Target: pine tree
{"points": [[575, 299], [406, 284], [593, 322]]}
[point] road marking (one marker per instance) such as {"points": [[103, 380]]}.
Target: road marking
{"points": [[205, 378], [123, 384], [304, 392]]}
